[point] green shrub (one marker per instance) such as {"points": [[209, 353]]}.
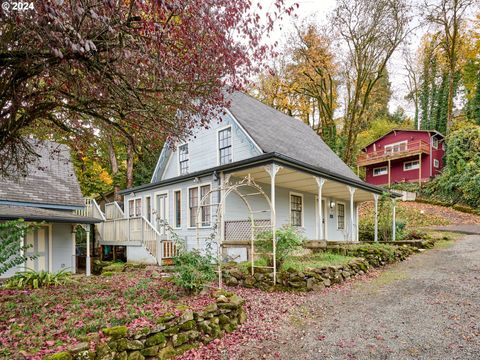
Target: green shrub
{"points": [[192, 270], [288, 240], [366, 230], [415, 234], [37, 279]]}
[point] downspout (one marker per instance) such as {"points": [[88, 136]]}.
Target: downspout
{"points": [[431, 155]]}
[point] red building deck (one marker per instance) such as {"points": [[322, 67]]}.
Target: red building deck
{"points": [[403, 156]]}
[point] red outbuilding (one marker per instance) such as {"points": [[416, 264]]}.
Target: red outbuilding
{"points": [[403, 156]]}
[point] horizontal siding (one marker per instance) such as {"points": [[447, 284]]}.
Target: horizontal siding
{"points": [[203, 148]]}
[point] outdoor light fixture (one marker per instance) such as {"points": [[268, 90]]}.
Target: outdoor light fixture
{"points": [[196, 180], [215, 176], [332, 204]]}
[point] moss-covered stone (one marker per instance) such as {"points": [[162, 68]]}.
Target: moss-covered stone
{"points": [[115, 332], [165, 318], [157, 339], [136, 355], [230, 327], [150, 351], [103, 352], [172, 330], [121, 356], [179, 339], [242, 316], [64, 355], [223, 319], [189, 325], [107, 273], [166, 353]]}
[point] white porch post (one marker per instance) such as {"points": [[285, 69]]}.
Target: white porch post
{"points": [[375, 201], [87, 260], [394, 228], [74, 245], [320, 183], [272, 170], [351, 189]]}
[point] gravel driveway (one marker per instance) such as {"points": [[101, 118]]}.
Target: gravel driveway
{"points": [[427, 307]]}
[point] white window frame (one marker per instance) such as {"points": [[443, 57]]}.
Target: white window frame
{"points": [[135, 199], [145, 208], [290, 208], [435, 142], [178, 159], [410, 162], [393, 145], [218, 141], [189, 225], [174, 207], [380, 167], [436, 163], [344, 214]]}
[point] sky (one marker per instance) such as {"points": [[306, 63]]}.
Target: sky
{"points": [[319, 10]]}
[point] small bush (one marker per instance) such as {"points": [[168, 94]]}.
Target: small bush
{"points": [[415, 235], [37, 279], [366, 231], [288, 240], [192, 270]]}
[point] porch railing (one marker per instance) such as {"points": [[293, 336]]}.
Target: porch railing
{"points": [[401, 150], [138, 230]]}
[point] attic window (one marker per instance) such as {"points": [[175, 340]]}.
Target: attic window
{"points": [[183, 159], [225, 146], [435, 143]]}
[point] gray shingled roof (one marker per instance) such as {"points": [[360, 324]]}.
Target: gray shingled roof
{"points": [[276, 132], [28, 213], [51, 179]]}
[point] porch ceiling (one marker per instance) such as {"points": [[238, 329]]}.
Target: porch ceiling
{"points": [[301, 181]]}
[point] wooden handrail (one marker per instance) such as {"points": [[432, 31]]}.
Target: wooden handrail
{"points": [[410, 147]]}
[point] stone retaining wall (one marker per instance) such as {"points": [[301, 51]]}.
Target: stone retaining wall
{"points": [[172, 336], [318, 278]]}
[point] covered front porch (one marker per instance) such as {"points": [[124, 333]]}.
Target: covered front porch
{"points": [[323, 207]]}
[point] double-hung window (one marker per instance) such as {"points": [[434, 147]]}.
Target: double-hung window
{"points": [[195, 196], [225, 146], [177, 198], [340, 216], [135, 207], [296, 209], [206, 211], [183, 159], [193, 205]]}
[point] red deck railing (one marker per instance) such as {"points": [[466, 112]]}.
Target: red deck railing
{"points": [[398, 151]]}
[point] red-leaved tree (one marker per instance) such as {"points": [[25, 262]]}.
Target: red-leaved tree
{"points": [[138, 69]]}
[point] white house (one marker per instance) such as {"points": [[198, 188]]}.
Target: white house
{"points": [[287, 176], [50, 196]]}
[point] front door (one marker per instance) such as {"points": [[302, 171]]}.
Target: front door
{"points": [[317, 225], [162, 212], [38, 240]]}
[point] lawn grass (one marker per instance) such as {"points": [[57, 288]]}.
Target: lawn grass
{"points": [[43, 320], [301, 263]]}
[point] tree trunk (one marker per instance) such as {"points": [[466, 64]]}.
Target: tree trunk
{"points": [[130, 155], [114, 165]]}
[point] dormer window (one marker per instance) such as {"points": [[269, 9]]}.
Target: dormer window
{"points": [[435, 143], [183, 159], [225, 146]]}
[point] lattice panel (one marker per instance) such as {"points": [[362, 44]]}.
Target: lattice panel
{"points": [[236, 230]]}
